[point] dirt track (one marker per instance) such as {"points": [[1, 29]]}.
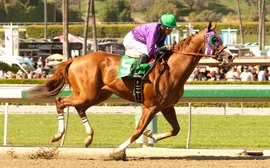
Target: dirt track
{"points": [[190, 162], [70, 158]]}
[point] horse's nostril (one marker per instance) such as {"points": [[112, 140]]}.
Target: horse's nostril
{"points": [[230, 57]]}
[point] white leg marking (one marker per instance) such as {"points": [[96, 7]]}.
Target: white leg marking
{"points": [[61, 124], [159, 136], [87, 126], [123, 145]]}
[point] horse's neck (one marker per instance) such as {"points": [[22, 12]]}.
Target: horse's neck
{"points": [[186, 63], [192, 44]]}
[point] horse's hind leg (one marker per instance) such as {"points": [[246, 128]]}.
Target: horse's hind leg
{"points": [[61, 103], [61, 122], [170, 116], [81, 104], [87, 125]]}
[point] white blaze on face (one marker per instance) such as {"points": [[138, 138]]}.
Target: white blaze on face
{"points": [[228, 51], [228, 59]]}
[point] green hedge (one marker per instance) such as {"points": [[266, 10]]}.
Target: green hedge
{"points": [[21, 81], [103, 31], [5, 67], [120, 30]]}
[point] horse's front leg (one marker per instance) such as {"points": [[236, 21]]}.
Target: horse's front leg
{"points": [[87, 125], [170, 116], [147, 115], [61, 122]]}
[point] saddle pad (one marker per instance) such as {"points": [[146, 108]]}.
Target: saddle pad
{"points": [[127, 66]]}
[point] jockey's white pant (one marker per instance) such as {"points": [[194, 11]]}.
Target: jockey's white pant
{"points": [[133, 47]]}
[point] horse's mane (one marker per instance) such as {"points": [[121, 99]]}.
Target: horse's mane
{"points": [[183, 43]]}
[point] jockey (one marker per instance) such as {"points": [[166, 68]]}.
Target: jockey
{"points": [[147, 40]]}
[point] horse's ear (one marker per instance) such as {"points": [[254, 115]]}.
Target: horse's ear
{"points": [[209, 26]]}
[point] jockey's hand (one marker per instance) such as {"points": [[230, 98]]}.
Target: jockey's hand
{"points": [[169, 47]]}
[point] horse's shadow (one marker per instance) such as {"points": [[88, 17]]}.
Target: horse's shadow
{"points": [[200, 158]]}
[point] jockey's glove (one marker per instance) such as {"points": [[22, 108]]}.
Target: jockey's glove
{"points": [[169, 47], [165, 47]]}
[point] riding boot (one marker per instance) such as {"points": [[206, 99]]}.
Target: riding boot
{"points": [[142, 59]]}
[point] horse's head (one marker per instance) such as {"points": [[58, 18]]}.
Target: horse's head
{"points": [[214, 46]]}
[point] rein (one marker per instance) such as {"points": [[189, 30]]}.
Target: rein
{"points": [[199, 54], [194, 54]]}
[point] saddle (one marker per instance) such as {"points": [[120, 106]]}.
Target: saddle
{"points": [[128, 66]]}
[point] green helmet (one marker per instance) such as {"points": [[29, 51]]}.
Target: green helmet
{"points": [[168, 20]]}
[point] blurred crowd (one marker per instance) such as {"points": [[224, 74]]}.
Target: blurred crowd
{"points": [[234, 73], [39, 72]]}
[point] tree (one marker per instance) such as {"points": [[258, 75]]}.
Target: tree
{"points": [[65, 30], [261, 7], [90, 4], [139, 6], [240, 21], [251, 2], [116, 11], [94, 25], [86, 23], [2, 13], [199, 5], [15, 12], [190, 3], [159, 8]]}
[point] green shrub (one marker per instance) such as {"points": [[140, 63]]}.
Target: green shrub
{"points": [[21, 81], [5, 67], [120, 30]]}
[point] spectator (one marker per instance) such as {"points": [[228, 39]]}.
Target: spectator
{"points": [[254, 71], [199, 74], [232, 75], [246, 75], [38, 72], [39, 62], [9, 75], [219, 74], [19, 74], [2, 74], [262, 74]]}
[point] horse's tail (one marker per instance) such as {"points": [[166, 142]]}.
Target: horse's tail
{"points": [[54, 84]]}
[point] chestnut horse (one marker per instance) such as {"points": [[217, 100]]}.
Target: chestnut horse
{"points": [[93, 80]]}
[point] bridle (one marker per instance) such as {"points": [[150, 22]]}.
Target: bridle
{"points": [[207, 42]]}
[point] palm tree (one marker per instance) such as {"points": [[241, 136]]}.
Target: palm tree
{"points": [[261, 7], [240, 21], [85, 33], [92, 4], [94, 25], [65, 29]]}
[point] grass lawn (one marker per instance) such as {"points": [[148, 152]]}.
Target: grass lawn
{"points": [[249, 132]]}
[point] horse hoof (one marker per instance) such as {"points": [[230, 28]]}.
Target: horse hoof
{"points": [[57, 137], [88, 141], [118, 155]]}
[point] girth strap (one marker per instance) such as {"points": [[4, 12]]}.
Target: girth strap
{"points": [[138, 90]]}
